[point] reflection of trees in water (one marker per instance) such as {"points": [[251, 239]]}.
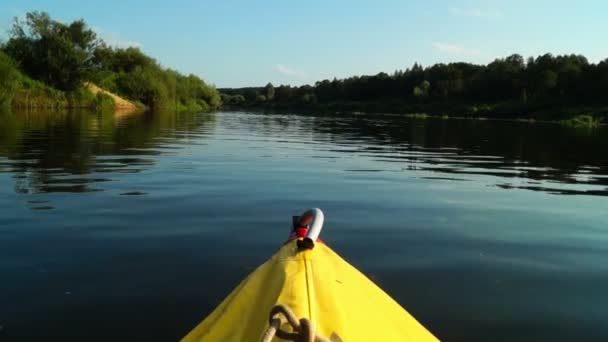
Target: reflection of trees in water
{"points": [[54, 152], [57, 152], [539, 151], [542, 152]]}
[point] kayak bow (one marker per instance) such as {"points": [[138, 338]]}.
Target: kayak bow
{"points": [[316, 283]]}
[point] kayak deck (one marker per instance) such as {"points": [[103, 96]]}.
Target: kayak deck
{"points": [[316, 284]]}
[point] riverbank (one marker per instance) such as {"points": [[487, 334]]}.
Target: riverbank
{"points": [[545, 87], [541, 111], [47, 63], [120, 104], [21, 92]]}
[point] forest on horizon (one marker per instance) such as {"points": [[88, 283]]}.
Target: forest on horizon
{"points": [[544, 87]]}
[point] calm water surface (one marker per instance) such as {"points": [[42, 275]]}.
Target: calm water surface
{"points": [[134, 227]]}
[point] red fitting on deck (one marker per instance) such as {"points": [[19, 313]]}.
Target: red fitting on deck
{"points": [[300, 232]]}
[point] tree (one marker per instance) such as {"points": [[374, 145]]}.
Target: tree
{"points": [[121, 60], [269, 91], [146, 86], [260, 98], [308, 98], [503, 87], [56, 53], [547, 81], [422, 90], [284, 93], [251, 94], [232, 99]]}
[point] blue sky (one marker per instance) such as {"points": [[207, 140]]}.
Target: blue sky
{"points": [[234, 43]]}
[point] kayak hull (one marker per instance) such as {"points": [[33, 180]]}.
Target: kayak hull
{"points": [[316, 284]]}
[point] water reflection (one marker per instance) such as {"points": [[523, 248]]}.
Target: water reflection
{"points": [[508, 155], [538, 157], [78, 151]]}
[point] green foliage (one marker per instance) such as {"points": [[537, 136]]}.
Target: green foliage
{"points": [[50, 51], [61, 56], [546, 87], [269, 91], [236, 100], [35, 94], [251, 95], [132, 74], [308, 99], [197, 105], [260, 98], [418, 115], [582, 121], [21, 91], [144, 85], [104, 102], [422, 90], [81, 97], [120, 60], [9, 79], [478, 110]]}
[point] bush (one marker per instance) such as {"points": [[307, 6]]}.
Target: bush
{"points": [[417, 115], [583, 120], [67, 55], [34, 94], [144, 85], [81, 98], [105, 79], [104, 102], [9, 79]]}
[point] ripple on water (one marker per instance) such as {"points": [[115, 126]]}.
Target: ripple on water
{"points": [[504, 221]]}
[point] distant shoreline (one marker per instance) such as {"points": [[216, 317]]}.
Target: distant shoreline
{"points": [[565, 88], [578, 116]]}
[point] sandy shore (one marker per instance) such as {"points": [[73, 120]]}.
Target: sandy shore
{"points": [[120, 103]]}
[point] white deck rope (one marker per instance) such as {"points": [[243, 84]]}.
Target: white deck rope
{"points": [[303, 331]]}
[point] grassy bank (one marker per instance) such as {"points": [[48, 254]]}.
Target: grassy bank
{"points": [[20, 91], [51, 64]]}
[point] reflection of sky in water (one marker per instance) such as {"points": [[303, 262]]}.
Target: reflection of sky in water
{"points": [[158, 216]]}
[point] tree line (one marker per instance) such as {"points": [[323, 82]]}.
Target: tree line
{"points": [[511, 86], [50, 60]]}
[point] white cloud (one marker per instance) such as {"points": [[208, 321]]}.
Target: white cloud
{"points": [[476, 12], [115, 39], [454, 49], [285, 70]]}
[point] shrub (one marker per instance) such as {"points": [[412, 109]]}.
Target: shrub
{"points": [[582, 120], [9, 78]]}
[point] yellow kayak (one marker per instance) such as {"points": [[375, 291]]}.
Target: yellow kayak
{"points": [[329, 298]]}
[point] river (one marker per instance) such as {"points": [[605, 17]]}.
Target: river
{"points": [[133, 227]]}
